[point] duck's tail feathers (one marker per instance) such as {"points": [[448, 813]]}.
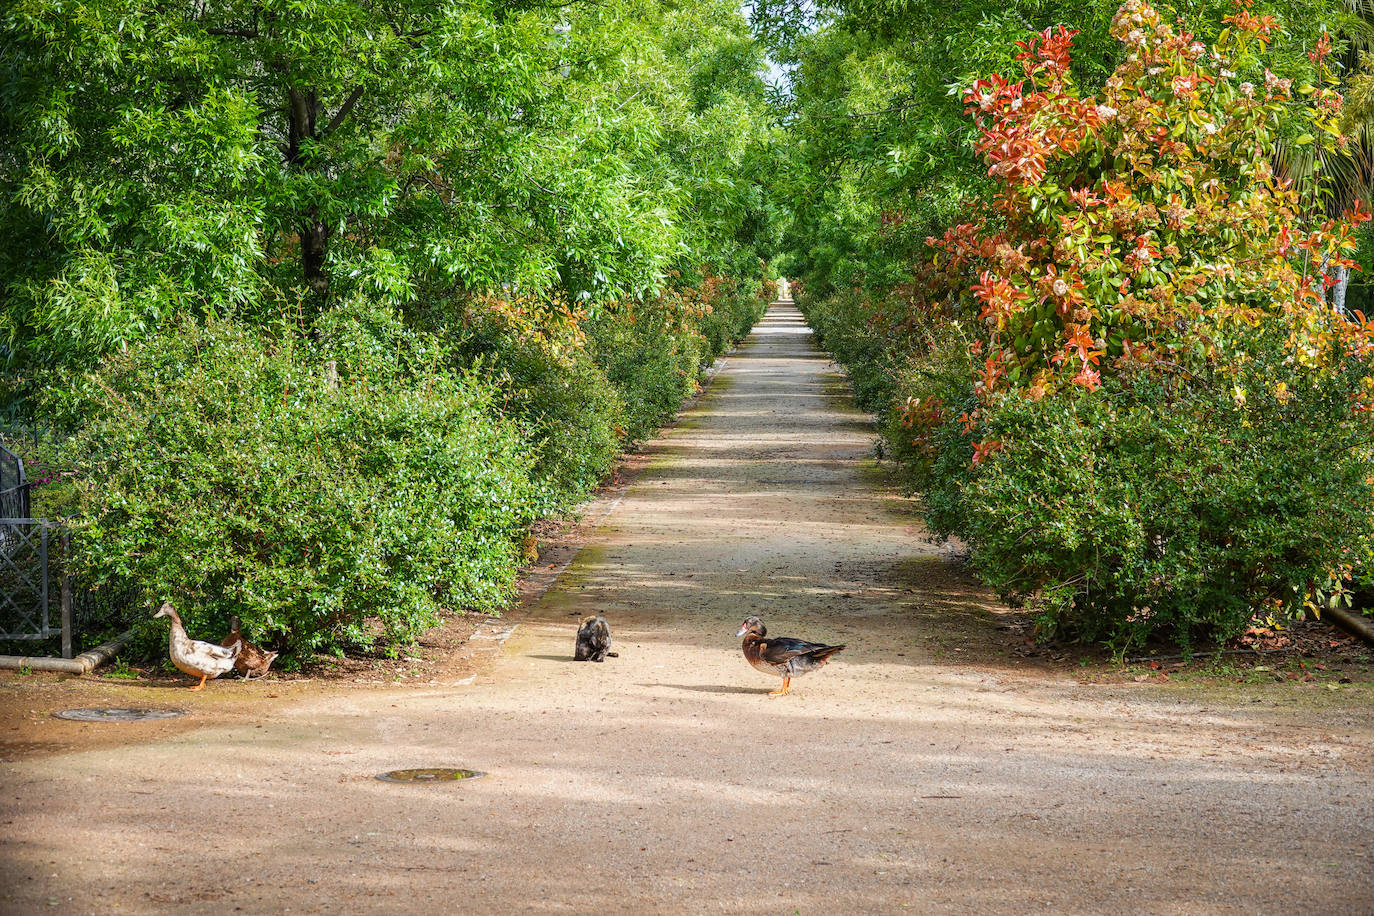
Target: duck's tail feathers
{"points": [[824, 652]]}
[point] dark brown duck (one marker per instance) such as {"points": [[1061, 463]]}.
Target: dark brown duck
{"points": [[782, 656]]}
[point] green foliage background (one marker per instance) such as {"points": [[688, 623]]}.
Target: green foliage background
{"points": [[324, 304], [1127, 513]]}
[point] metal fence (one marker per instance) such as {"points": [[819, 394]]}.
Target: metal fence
{"points": [[35, 596], [40, 598], [14, 486]]}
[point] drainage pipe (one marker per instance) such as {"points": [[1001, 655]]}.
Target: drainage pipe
{"points": [[84, 663]]}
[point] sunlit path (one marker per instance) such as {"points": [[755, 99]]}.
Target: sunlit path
{"points": [[666, 781]]}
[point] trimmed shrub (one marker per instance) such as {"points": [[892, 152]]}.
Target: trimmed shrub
{"points": [[345, 485], [330, 489], [653, 363], [550, 384], [1144, 509], [732, 308], [654, 352], [845, 325]]}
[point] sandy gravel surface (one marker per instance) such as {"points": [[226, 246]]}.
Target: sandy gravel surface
{"points": [[899, 778]]}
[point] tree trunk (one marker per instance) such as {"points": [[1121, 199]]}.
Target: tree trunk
{"points": [[1353, 622], [314, 248], [303, 112], [1339, 290]]}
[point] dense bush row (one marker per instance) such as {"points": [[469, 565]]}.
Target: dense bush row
{"points": [[1122, 379], [1138, 510], [349, 485]]}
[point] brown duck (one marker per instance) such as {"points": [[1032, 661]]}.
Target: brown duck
{"points": [[251, 661], [781, 655]]}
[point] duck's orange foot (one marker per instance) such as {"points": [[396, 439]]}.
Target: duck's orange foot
{"points": [[200, 686], [784, 690]]}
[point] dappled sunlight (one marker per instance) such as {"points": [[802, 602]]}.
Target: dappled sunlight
{"points": [[950, 774], [668, 772]]}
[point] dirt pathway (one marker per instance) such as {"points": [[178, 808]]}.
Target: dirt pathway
{"points": [[898, 778]]}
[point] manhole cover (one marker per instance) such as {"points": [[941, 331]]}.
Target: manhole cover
{"points": [[117, 714], [429, 774]]}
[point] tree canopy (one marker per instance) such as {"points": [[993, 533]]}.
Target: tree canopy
{"points": [[256, 157], [426, 266]]}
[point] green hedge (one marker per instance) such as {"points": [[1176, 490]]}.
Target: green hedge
{"points": [[551, 385], [844, 327], [330, 489], [654, 353], [344, 485], [1139, 510]]}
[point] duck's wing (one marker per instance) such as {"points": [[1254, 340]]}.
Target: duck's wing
{"points": [[224, 651], [211, 653], [780, 650]]}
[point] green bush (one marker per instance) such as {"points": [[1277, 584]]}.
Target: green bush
{"points": [[549, 384], [735, 308], [331, 489], [928, 382], [1141, 510], [344, 485], [654, 352], [845, 326], [653, 366]]}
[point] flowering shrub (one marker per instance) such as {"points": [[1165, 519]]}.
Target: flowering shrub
{"points": [[1164, 415], [1146, 229]]}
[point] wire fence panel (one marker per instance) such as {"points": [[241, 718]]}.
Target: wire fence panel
{"points": [[14, 486], [42, 596], [30, 594]]}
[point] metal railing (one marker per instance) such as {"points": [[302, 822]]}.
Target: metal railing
{"points": [[35, 595], [14, 486]]}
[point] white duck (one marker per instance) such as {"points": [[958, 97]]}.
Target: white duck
{"points": [[194, 657]]}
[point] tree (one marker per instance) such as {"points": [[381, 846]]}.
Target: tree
{"points": [[267, 157]]}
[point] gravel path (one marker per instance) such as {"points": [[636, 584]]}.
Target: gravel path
{"points": [[665, 780]]}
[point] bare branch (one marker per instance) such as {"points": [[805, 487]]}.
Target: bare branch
{"points": [[343, 112]]}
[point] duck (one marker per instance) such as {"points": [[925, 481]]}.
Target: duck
{"points": [[252, 661], [781, 655], [194, 656]]}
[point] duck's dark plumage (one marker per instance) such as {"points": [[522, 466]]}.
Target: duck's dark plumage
{"points": [[782, 656]]}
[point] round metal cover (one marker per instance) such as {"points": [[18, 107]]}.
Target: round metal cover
{"points": [[429, 774], [117, 714]]}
